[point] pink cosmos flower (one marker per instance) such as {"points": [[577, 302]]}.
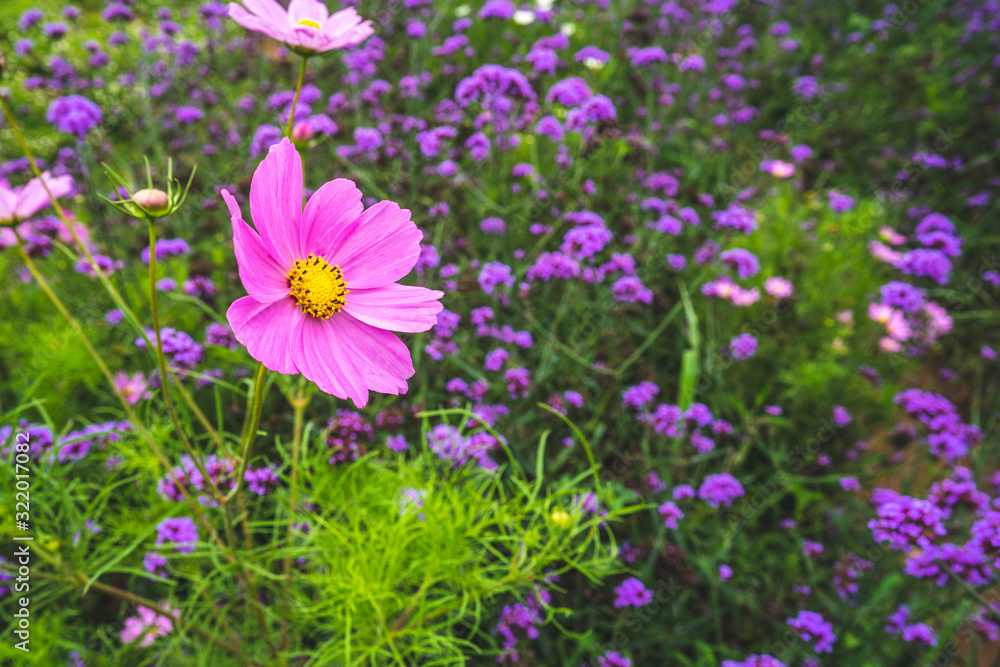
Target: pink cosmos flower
{"points": [[22, 203], [879, 312], [307, 26], [323, 296]]}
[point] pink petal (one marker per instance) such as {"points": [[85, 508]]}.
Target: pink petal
{"points": [[378, 248], [270, 11], [311, 10], [345, 28], [395, 307], [258, 23], [265, 279], [348, 358], [8, 202], [276, 202], [270, 331], [33, 197], [328, 212]]}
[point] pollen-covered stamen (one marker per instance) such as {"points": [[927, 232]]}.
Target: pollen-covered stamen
{"points": [[309, 23], [318, 286]]}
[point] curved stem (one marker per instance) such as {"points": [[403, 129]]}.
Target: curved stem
{"points": [[161, 361], [299, 403], [254, 409], [295, 102], [990, 609]]}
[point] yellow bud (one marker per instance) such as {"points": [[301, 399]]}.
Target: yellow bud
{"points": [[561, 518]]}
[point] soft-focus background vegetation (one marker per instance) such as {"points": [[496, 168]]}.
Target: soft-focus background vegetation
{"points": [[904, 122]]}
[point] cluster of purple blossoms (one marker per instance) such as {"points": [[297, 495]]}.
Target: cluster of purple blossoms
{"points": [[520, 621], [348, 435], [261, 480], [74, 114], [671, 514], [986, 536], [814, 628], [967, 562], [179, 347], [755, 661], [896, 624], [632, 593], [744, 262], [188, 477], [219, 333], [167, 248], [629, 289], [905, 522], [156, 564], [743, 346], [613, 659], [39, 439], [199, 287], [451, 445], [958, 490], [949, 437], [670, 421], [720, 489], [181, 532], [846, 573], [640, 395], [76, 444], [735, 217]]}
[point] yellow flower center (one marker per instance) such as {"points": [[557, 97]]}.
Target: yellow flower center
{"points": [[317, 286], [309, 23]]}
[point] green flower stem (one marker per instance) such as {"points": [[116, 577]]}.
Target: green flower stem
{"points": [[972, 592], [295, 101], [165, 381], [299, 403], [255, 407]]}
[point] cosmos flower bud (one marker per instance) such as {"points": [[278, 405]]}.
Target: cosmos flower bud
{"points": [[151, 199], [303, 131], [149, 202]]}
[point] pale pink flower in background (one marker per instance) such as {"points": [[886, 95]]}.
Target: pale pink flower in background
{"points": [[133, 388], [23, 202], [879, 312], [897, 326], [778, 168], [889, 344], [306, 26], [778, 287], [148, 624], [322, 282], [745, 297], [884, 253], [891, 236]]}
